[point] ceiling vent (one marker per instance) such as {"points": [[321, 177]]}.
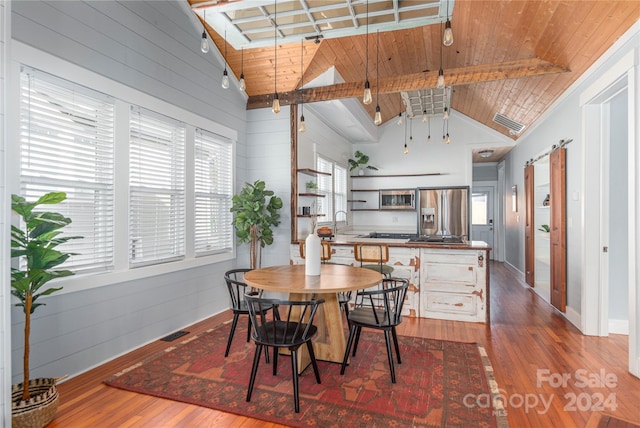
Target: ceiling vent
{"points": [[514, 127]]}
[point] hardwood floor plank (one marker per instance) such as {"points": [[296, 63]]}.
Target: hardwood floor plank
{"points": [[529, 343]]}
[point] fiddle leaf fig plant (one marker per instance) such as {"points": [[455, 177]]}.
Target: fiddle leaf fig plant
{"points": [[361, 160], [36, 240], [256, 211]]}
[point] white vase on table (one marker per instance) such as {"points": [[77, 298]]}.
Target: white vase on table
{"points": [[312, 250]]}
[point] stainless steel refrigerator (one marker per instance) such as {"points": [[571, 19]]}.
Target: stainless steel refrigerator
{"points": [[443, 211]]}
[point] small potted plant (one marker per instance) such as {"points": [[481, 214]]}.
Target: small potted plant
{"points": [[256, 211], [35, 401], [361, 161], [311, 186]]}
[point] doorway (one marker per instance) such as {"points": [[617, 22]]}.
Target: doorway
{"points": [[609, 107], [482, 215]]}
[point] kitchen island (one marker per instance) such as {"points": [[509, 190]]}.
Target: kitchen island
{"points": [[446, 280]]}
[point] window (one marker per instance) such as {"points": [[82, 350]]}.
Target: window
{"points": [[334, 187], [479, 208], [340, 189], [213, 193], [67, 145], [156, 188]]}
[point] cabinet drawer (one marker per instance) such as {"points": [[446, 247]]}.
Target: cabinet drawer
{"points": [[453, 303], [450, 273]]}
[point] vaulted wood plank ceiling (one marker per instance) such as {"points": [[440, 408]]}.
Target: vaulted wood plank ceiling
{"points": [[568, 36]]}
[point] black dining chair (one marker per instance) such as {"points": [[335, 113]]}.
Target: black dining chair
{"points": [[238, 289], [378, 308], [288, 326]]}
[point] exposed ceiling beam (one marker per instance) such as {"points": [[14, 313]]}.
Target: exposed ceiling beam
{"points": [[413, 82]]}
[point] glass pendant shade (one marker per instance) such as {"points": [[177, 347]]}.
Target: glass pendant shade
{"points": [[378, 117], [367, 98], [276, 104], [243, 84], [399, 122], [447, 40], [303, 125], [445, 115], [424, 116], [448, 139], [225, 79], [440, 83], [406, 149], [204, 44]]}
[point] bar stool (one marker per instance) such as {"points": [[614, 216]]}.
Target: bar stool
{"points": [[369, 252]]}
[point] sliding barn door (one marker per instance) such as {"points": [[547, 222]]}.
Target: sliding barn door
{"points": [[558, 214], [529, 244]]}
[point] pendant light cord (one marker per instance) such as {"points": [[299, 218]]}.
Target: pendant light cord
{"points": [[302, 77], [377, 63], [366, 66], [275, 45]]}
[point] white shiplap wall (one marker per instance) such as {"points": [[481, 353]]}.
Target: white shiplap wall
{"points": [[152, 46], [5, 321], [452, 160], [269, 159]]}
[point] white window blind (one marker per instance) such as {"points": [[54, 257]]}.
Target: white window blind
{"points": [[325, 187], [67, 145], [156, 189], [213, 193], [340, 188]]}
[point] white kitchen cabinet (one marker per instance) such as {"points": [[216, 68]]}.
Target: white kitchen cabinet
{"points": [[454, 284]]}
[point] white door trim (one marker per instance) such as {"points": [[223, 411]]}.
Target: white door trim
{"points": [[594, 290]]}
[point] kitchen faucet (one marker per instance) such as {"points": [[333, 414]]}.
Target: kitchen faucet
{"points": [[335, 221]]}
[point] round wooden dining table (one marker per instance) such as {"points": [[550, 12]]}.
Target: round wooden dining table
{"points": [[330, 343]]}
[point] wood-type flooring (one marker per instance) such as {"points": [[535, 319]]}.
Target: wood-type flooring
{"points": [[550, 374]]}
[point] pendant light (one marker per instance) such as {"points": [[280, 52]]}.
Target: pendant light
{"points": [[303, 125], [410, 130], [275, 108], [204, 44], [243, 84], [440, 83], [225, 75], [378, 117], [424, 116], [428, 130], [447, 39], [406, 149], [447, 139], [366, 98], [445, 114], [399, 122]]}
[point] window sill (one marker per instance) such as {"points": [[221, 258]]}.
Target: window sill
{"points": [[89, 281]]}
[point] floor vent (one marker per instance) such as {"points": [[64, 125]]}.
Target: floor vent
{"points": [[514, 127], [174, 336]]}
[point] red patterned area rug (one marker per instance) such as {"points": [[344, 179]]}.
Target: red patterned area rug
{"points": [[439, 383]]}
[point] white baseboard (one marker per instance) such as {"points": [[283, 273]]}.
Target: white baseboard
{"points": [[619, 327]]}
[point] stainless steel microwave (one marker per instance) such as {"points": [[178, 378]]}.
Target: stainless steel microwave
{"points": [[398, 199]]}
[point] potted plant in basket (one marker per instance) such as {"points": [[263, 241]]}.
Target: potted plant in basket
{"points": [[256, 211], [361, 160], [35, 401]]}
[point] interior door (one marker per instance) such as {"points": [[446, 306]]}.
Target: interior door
{"points": [[558, 211], [529, 244], [482, 227]]}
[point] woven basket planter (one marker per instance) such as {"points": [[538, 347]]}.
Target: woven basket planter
{"points": [[37, 411]]}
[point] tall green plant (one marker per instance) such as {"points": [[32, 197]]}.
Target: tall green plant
{"points": [[256, 211], [37, 242]]}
